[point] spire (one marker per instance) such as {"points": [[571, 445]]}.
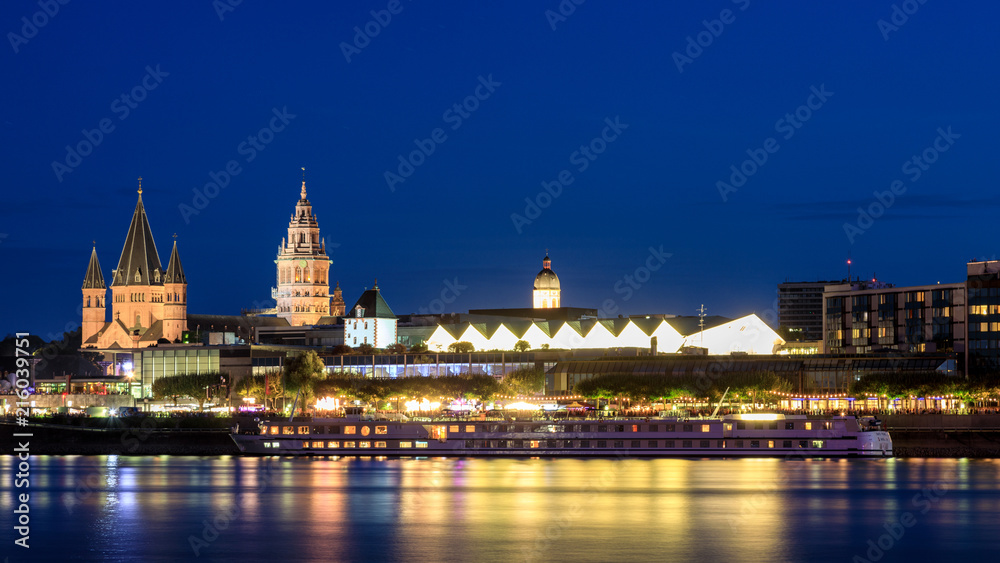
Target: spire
{"points": [[303, 193], [546, 262], [140, 185], [139, 263], [175, 272], [94, 279]]}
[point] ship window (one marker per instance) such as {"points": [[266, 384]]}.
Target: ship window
{"points": [[267, 444], [786, 444], [381, 429], [754, 443], [453, 428], [758, 426], [350, 430], [421, 444], [350, 444], [517, 443], [365, 444], [817, 443], [809, 426], [602, 443], [728, 426], [535, 444], [406, 444], [705, 428], [668, 443], [365, 430], [686, 443], [619, 428], [651, 444], [653, 427], [636, 443], [789, 426], [803, 443], [288, 430], [303, 430], [671, 428], [704, 444], [335, 430], [470, 444], [688, 428], [770, 443], [585, 428], [772, 426], [548, 444], [470, 427], [584, 443], [720, 444], [619, 443], [828, 425], [568, 444], [635, 428], [739, 443], [317, 444], [274, 430], [602, 428], [333, 444], [741, 426]]}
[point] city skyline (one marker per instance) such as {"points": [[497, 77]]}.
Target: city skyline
{"points": [[728, 145]]}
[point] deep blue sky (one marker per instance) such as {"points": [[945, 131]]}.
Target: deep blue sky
{"points": [[655, 185]]}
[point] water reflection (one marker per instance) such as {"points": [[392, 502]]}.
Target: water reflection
{"points": [[322, 509]]}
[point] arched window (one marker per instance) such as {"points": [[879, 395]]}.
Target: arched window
{"points": [[298, 275], [88, 301], [138, 277]]}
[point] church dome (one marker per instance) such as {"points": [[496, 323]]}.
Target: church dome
{"points": [[546, 279]]}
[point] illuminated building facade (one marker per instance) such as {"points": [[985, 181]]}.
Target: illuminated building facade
{"points": [[546, 294], [370, 321], [800, 308], [746, 335], [303, 292], [148, 302]]}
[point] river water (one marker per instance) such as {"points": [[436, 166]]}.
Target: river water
{"points": [[119, 508]]}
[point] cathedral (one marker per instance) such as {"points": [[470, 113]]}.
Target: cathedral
{"points": [[148, 302]]}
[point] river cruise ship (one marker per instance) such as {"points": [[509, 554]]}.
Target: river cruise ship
{"points": [[739, 435]]}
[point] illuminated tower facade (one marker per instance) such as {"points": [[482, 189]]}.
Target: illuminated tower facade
{"points": [[94, 295], [175, 292], [303, 292], [546, 292], [137, 282]]}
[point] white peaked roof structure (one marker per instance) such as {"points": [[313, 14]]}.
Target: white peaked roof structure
{"points": [[748, 334]]}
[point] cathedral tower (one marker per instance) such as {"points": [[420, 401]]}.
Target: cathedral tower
{"points": [[303, 292], [546, 292], [137, 282], [94, 294], [175, 292], [337, 304]]}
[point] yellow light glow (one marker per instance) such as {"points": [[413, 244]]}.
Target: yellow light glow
{"points": [[760, 416], [327, 404], [522, 407]]}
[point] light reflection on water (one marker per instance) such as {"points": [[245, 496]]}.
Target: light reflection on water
{"points": [[118, 508]]}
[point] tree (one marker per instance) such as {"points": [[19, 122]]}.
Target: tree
{"points": [[396, 348], [341, 349], [194, 385], [462, 347], [526, 381], [253, 386], [301, 374], [522, 346], [365, 349], [418, 348]]}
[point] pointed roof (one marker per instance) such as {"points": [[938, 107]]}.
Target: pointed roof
{"points": [[94, 278], [373, 304], [175, 272], [139, 262]]}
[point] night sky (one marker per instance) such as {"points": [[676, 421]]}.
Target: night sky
{"points": [[838, 103]]}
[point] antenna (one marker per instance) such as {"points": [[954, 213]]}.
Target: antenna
{"points": [[701, 323]]}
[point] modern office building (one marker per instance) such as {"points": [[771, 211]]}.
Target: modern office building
{"points": [[800, 309]]}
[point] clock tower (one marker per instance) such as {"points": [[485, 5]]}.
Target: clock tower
{"points": [[303, 292]]}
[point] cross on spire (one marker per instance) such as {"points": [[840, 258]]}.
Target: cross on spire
{"points": [[140, 185]]}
